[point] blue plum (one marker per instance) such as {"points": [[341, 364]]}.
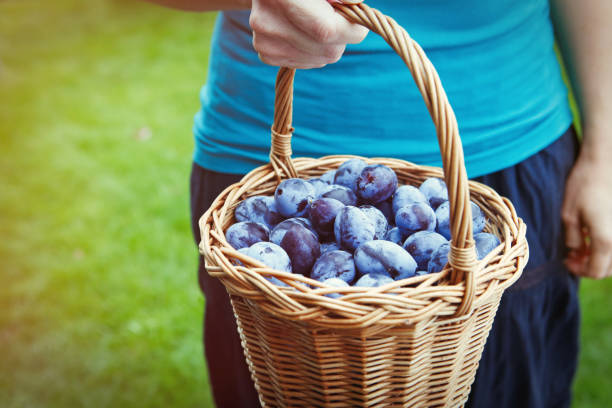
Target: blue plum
{"points": [[386, 207], [322, 213], [270, 255], [334, 264], [343, 194], [246, 233], [348, 172], [395, 235], [293, 196], [404, 275], [435, 190], [320, 186], [385, 258], [245, 251], [376, 183], [352, 228], [421, 246], [479, 220], [406, 195], [329, 246], [378, 218], [328, 176], [443, 219], [415, 217], [302, 247], [279, 231], [485, 243], [336, 283], [373, 280], [260, 209], [439, 258]]}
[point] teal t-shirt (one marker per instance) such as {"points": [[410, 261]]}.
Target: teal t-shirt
{"points": [[495, 58]]}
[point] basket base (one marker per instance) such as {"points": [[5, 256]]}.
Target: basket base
{"points": [[430, 364]]}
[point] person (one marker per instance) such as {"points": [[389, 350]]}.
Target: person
{"points": [[498, 65]]}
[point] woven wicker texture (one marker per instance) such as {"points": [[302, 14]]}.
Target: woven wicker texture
{"points": [[411, 343]]}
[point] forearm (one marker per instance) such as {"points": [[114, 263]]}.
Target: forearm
{"points": [[204, 5], [585, 37]]}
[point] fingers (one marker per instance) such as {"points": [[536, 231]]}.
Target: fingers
{"points": [[574, 237], [589, 241], [588, 221], [283, 45], [574, 232], [600, 262], [328, 27], [280, 54], [300, 34]]}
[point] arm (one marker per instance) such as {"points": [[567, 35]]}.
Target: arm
{"points": [[585, 36], [291, 33], [204, 5]]}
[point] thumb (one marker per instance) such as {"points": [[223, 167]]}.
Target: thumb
{"points": [[574, 236]]}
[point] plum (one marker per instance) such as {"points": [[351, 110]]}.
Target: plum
{"points": [[485, 243], [376, 183], [421, 246], [334, 264], [443, 219], [435, 190], [270, 255], [395, 235], [373, 280], [328, 176], [479, 220], [352, 228], [386, 207], [378, 219], [329, 246], [246, 233], [319, 186], [293, 196], [415, 217], [260, 209], [348, 172], [322, 213], [343, 194], [406, 195], [336, 283], [279, 231], [439, 258], [385, 258], [302, 247]]}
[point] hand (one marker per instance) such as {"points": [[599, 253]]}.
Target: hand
{"points": [[301, 34], [587, 214]]}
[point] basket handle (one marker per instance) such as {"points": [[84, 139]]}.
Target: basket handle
{"points": [[462, 256]]}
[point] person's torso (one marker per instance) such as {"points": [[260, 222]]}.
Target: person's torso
{"points": [[495, 59]]}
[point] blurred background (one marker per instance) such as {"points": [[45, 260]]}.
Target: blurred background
{"points": [[99, 304]]}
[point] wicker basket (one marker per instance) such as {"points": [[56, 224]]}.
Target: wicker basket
{"points": [[411, 343]]}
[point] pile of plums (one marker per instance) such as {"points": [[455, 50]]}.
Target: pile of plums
{"points": [[352, 226]]}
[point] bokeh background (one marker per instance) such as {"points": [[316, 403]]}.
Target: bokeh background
{"points": [[99, 304]]}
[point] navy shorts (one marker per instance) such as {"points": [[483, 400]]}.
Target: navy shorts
{"points": [[530, 357]]}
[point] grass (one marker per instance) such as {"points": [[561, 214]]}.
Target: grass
{"points": [[99, 304]]}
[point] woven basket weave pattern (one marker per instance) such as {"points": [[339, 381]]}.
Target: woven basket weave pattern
{"points": [[411, 343]]}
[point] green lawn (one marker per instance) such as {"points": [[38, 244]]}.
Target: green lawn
{"points": [[99, 304]]}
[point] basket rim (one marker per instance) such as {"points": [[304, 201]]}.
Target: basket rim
{"points": [[407, 301]]}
